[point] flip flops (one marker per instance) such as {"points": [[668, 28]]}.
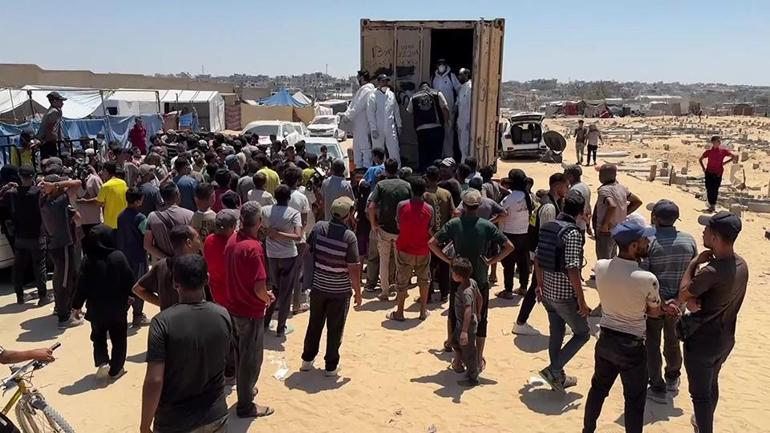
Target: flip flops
{"points": [[392, 316]]}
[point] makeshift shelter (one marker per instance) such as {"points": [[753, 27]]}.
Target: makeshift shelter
{"points": [[302, 98], [209, 106], [282, 98], [25, 102]]}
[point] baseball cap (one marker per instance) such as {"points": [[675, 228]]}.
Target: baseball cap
{"points": [[226, 219], [341, 206], [724, 223], [50, 178], [448, 162], [472, 198], [573, 169], [631, 230], [382, 77], [26, 170], [55, 96], [665, 211]]}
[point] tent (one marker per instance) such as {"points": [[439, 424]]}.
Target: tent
{"points": [[209, 105], [282, 98], [80, 103], [302, 98]]}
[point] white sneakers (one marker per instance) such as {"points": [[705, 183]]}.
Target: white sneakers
{"points": [[306, 365], [103, 371], [524, 329], [332, 373]]}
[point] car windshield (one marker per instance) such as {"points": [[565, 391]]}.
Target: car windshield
{"points": [[264, 130], [334, 151], [323, 121]]}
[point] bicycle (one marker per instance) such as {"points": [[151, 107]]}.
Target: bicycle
{"points": [[33, 413]]}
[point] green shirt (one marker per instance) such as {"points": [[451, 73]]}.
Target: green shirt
{"points": [[472, 236], [387, 194]]}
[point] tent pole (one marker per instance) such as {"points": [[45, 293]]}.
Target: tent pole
{"points": [[106, 117], [31, 105], [13, 107], [157, 98]]}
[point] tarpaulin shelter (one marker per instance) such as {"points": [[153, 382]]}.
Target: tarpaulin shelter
{"points": [[282, 98], [302, 98], [28, 100], [208, 105]]}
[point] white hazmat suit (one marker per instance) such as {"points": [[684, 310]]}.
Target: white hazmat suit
{"points": [[448, 85], [384, 118], [464, 118], [357, 113]]}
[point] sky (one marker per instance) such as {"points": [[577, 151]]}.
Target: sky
{"points": [[650, 40]]}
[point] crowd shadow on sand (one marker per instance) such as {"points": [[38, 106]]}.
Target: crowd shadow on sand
{"points": [[39, 329], [655, 412], [531, 343], [87, 383], [548, 402], [447, 379], [314, 381]]}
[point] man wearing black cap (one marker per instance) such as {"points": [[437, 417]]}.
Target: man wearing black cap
{"points": [[628, 295], [670, 254], [23, 202], [50, 133], [356, 112], [713, 294], [383, 114]]}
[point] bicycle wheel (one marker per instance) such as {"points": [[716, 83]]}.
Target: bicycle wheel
{"points": [[35, 415]]}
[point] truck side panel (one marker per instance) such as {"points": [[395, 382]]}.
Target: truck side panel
{"points": [[487, 76]]}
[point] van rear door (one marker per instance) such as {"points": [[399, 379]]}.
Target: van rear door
{"points": [[487, 78]]}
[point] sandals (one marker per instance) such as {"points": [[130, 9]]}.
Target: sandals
{"points": [[424, 315], [392, 316], [457, 368], [448, 347], [257, 412], [504, 294], [383, 297]]}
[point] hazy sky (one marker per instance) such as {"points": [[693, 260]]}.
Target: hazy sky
{"points": [[687, 41]]}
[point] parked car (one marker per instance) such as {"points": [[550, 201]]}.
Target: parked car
{"points": [[326, 126], [522, 135], [280, 128], [313, 145]]}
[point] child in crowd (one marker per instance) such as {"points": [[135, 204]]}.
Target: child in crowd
{"points": [[204, 218], [324, 160], [467, 306], [105, 284], [130, 240], [259, 194]]}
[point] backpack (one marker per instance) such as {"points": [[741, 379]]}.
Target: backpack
{"points": [[551, 248]]}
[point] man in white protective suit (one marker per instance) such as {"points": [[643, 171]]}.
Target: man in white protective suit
{"points": [[384, 118], [446, 83], [464, 112], [356, 113]]}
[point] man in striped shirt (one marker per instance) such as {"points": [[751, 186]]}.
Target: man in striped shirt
{"points": [[670, 254], [336, 275]]}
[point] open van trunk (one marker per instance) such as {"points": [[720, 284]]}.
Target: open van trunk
{"points": [[408, 51]]}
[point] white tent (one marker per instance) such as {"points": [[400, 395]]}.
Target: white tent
{"points": [[301, 97], [209, 104], [80, 102]]}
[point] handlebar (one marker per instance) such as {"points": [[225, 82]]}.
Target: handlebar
{"points": [[19, 371]]}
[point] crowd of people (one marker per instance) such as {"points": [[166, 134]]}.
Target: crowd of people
{"points": [[230, 238]]}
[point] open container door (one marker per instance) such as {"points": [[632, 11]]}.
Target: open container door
{"points": [[487, 75]]}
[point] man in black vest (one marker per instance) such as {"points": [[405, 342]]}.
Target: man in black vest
{"points": [[558, 259], [430, 112]]}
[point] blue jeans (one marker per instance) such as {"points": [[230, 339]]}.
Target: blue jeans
{"points": [[560, 313]]}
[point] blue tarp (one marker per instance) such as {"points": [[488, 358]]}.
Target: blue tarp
{"points": [[282, 98]]}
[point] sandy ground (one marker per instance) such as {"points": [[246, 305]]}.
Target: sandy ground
{"points": [[394, 377]]}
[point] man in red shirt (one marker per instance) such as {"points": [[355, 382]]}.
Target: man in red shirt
{"points": [[138, 136], [214, 252], [714, 169], [246, 297], [415, 220]]}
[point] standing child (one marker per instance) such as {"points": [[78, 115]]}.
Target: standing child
{"points": [[130, 240], [467, 310], [105, 284]]}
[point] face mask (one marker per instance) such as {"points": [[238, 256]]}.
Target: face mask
{"points": [[441, 69], [463, 80]]}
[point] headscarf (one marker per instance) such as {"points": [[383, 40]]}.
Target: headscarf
{"points": [[519, 183]]}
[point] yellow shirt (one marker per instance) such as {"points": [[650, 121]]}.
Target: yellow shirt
{"points": [[307, 174], [21, 156], [272, 181], [113, 197]]}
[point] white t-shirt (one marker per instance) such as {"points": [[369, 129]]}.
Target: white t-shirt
{"points": [[299, 201], [262, 197], [625, 292], [517, 221], [284, 219]]}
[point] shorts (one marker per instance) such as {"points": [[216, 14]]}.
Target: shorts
{"points": [[408, 263]]}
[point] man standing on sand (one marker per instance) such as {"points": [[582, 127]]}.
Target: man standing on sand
{"points": [[713, 295], [629, 296], [558, 259], [670, 254], [472, 238], [184, 386], [613, 203], [593, 137], [246, 298], [714, 169], [581, 133]]}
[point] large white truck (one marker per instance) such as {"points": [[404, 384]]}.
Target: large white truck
{"points": [[407, 51]]}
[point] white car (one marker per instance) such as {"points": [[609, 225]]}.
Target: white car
{"points": [[280, 128], [326, 126], [333, 148], [522, 135]]}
